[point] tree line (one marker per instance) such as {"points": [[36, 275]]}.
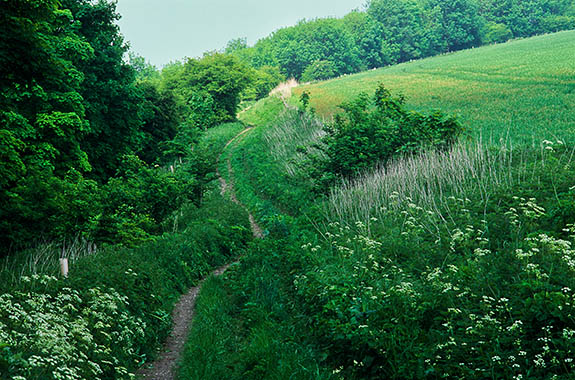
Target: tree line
{"points": [[394, 31], [93, 144]]}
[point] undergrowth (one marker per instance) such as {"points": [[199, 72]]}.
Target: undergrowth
{"points": [[114, 310], [447, 264]]}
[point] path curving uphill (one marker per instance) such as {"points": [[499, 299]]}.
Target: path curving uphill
{"points": [[227, 187], [165, 365]]}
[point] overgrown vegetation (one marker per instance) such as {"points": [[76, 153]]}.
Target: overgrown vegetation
{"points": [[80, 124], [453, 263], [245, 329], [109, 316], [422, 256]]}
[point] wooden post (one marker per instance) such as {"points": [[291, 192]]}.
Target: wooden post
{"points": [[64, 267]]}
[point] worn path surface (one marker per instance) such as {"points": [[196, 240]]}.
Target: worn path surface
{"points": [[227, 187], [165, 365]]}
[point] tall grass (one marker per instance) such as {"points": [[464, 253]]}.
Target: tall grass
{"points": [[430, 180], [43, 259], [236, 335], [292, 131]]}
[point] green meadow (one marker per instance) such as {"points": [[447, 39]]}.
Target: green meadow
{"points": [[522, 90]]}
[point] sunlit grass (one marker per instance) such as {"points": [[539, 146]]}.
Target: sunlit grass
{"points": [[263, 112], [288, 134], [431, 180], [523, 89]]}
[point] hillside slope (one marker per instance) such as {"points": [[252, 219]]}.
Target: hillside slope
{"points": [[524, 89], [455, 263]]}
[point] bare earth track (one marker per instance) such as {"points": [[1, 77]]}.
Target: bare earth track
{"points": [[165, 365], [228, 187], [163, 368]]}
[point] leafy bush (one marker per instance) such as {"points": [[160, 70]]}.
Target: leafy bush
{"points": [[319, 70], [264, 80], [373, 131], [218, 78], [494, 32], [139, 199]]}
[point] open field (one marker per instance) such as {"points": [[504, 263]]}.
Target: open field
{"points": [[523, 90]]}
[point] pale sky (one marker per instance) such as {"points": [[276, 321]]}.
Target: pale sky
{"points": [[165, 30]]}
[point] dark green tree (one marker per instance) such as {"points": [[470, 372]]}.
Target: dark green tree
{"points": [[109, 90], [494, 32], [162, 116], [402, 24], [459, 20], [42, 116], [222, 77], [367, 35]]}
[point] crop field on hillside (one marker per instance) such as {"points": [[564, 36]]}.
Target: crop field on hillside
{"points": [[522, 91]]}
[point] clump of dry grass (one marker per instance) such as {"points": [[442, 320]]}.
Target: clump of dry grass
{"points": [[291, 131], [44, 259], [284, 89], [429, 180]]}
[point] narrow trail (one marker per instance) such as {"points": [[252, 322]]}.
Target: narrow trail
{"points": [[228, 187], [165, 365]]}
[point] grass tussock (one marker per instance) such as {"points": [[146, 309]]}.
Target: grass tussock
{"points": [[43, 259], [431, 179], [289, 137]]}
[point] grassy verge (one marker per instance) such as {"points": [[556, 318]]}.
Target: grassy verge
{"points": [[263, 167], [245, 329], [263, 112]]}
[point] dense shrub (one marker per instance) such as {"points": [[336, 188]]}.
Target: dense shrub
{"points": [[481, 287], [264, 80], [319, 70], [372, 131], [494, 32]]}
